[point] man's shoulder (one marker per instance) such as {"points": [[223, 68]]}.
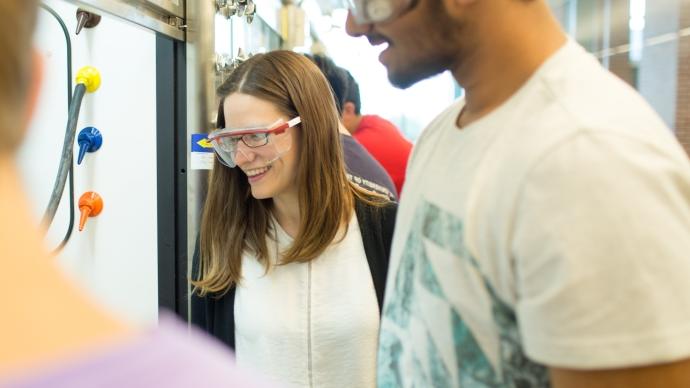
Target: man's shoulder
{"points": [[581, 94], [563, 127], [574, 96]]}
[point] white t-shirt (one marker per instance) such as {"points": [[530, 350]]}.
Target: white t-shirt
{"points": [[554, 231], [311, 324]]}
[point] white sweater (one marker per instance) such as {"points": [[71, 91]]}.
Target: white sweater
{"points": [[310, 324]]}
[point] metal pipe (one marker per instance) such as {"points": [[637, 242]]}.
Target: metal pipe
{"points": [[201, 106], [200, 31], [162, 16], [207, 69]]}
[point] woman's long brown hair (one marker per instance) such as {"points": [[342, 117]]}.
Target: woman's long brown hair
{"points": [[233, 221]]}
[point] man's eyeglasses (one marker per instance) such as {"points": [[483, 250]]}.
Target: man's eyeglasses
{"points": [[377, 11]]}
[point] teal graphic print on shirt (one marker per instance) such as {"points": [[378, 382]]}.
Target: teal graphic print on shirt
{"points": [[409, 356]]}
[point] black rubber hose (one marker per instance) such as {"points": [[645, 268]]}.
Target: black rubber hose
{"points": [[67, 154], [70, 227], [68, 45]]}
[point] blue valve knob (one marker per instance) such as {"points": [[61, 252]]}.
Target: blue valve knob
{"points": [[90, 140]]}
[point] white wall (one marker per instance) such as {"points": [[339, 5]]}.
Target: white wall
{"points": [[411, 109], [115, 257]]}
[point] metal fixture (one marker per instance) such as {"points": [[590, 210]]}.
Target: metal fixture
{"points": [[177, 22], [86, 19], [88, 79], [89, 140], [90, 205], [157, 15], [229, 8], [225, 63], [247, 8], [226, 8]]}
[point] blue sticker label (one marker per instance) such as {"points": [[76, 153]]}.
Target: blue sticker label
{"points": [[200, 143]]}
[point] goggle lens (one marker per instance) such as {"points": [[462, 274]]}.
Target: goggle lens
{"points": [[226, 141], [377, 11]]}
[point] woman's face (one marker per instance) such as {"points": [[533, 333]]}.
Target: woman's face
{"points": [[271, 169]]}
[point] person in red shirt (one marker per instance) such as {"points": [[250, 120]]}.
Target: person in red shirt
{"points": [[379, 136]]}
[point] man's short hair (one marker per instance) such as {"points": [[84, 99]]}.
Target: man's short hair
{"points": [[16, 35], [336, 78], [353, 93]]}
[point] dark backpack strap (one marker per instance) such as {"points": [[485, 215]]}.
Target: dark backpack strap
{"points": [[212, 313], [224, 322], [376, 225], [201, 307]]}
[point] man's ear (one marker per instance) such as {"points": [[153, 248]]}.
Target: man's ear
{"points": [[349, 117], [349, 109], [34, 85]]}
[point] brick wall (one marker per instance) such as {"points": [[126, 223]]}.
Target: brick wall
{"points": [[683, 89], [619, 64], [657, 76]]}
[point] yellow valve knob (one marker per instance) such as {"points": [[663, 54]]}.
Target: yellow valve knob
{"points": [[90, 77]]}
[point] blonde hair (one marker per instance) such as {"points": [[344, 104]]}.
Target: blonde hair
{"points": [[233, 221], [16, 34]]}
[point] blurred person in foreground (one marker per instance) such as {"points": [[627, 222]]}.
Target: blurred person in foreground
{"points": [[51, 334], [543, 236]]}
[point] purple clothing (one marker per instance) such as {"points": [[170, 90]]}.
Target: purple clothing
{"points": [[364, 170], [168, 356]]}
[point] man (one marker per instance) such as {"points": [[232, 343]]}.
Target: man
{"points": [[52, 335], [379, 136], [362, 168], [544, 232]]}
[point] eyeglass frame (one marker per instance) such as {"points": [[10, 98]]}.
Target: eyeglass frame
{"points": [[273, 128], [361, 12]]}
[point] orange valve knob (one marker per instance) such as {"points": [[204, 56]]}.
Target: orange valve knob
{"points": [[90, 205]]}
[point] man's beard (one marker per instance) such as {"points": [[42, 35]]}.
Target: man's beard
{"points": [[403, 78]]}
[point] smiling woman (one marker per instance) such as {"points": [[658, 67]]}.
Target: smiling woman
{"points": [[285, 234], [266, 156]]}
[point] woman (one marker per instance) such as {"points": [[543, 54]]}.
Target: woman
{"points": [[291, 263]]}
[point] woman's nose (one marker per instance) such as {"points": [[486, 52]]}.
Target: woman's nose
{"points": [[244, 154]]}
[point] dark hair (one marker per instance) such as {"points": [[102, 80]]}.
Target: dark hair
{"points": [[336, 76], [352, 92]]}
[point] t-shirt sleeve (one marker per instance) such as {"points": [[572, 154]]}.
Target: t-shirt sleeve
{"points": [[601, 250]]}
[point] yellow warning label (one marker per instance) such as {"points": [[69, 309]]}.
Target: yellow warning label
{"points": [[204, 143]]}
